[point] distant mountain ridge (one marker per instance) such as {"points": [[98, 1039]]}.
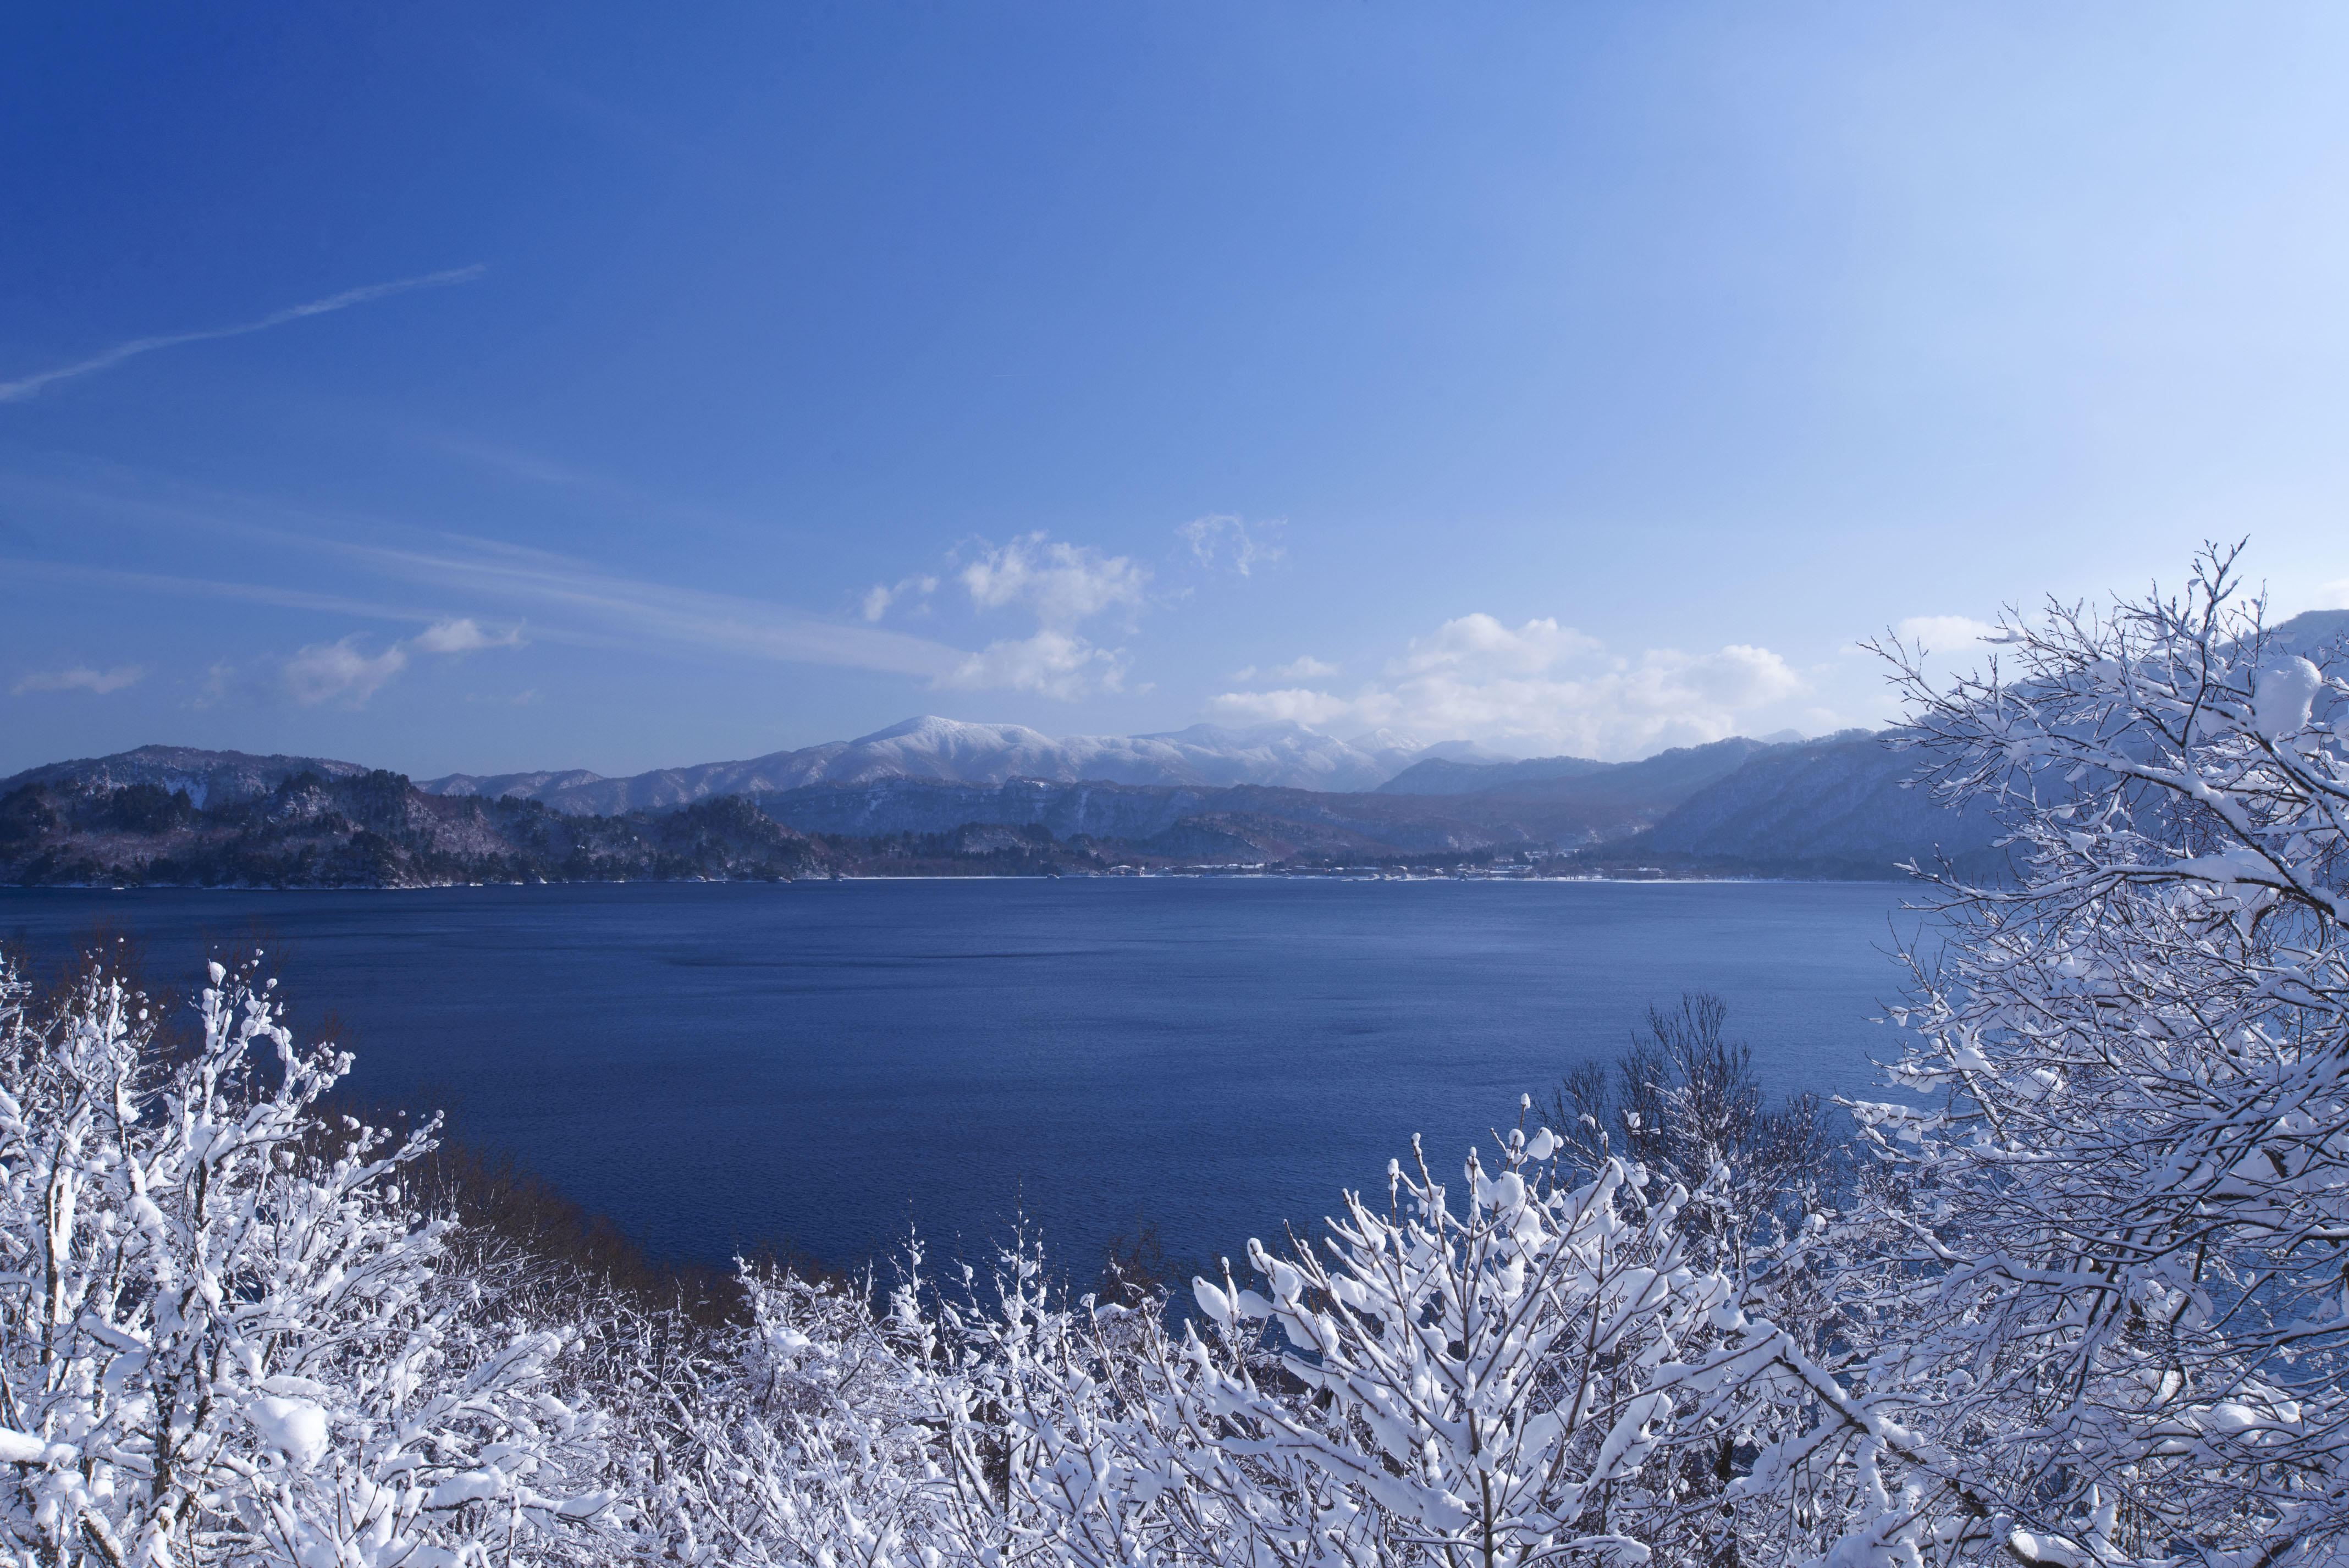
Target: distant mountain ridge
{"points": [[1738, 807], [1838, 808], [935, 779], [364, 829], [1283, 755], [1445, 776], [1254, 821], [1842, 806], [210, 778], [1272, 822]]}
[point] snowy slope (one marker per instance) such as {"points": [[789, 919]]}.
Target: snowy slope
{"points": [[1443, 775], [1837, 806]]}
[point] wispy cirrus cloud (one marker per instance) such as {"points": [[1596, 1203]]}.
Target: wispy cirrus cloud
{"points": [[602, 608], [1223, 542], [633, 609], [24, 386], [174, 585], [582, 603], [81, 678], [1304, 667], [881, 595], [463, 635]]}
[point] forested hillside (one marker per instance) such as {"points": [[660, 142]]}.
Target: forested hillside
{"points": [[1846, 807], [371, 829], [1843, 807]]}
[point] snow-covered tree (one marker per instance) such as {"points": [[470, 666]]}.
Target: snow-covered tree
{"points": [[1519, 1373], [1530, 1372], [1684, 1103], [221, 1338], [808, 1434], [1683, 1098], [2105, 1308]]}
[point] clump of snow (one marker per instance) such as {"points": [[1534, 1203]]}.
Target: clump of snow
{"points": [[2284, 697], [295, 1428]]}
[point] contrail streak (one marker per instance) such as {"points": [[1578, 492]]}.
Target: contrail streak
{"points": [[18, 390]]}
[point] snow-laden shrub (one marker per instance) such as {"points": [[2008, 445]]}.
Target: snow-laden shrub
{"points": [[2101, 1302], [1484, 1376], [1530, 1370], [222, 1338], [810, 1434]]}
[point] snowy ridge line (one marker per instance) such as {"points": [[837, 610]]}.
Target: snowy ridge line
{"points": [[1287, 755]]}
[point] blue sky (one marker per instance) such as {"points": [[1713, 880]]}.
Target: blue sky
{"points": [[688, 382]]}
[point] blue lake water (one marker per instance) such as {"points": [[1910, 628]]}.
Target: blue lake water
{"points": [[715, 1064]]}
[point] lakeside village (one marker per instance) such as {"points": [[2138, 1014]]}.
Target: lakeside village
{"points": [[1525, 865], [1536, 866]]}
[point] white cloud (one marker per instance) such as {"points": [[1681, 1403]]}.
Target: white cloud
{"points": [[2333, 596], [1542, 687], [1946, 647], [1222, 542], [1064, 585], [1308, 707], [1943, 634], [462, 637], [1304, 667], [24, 386], [883, 595], [326, 671], [1480, 646], [1061, 583], [323, 672], [79, 678], [1056, 664]]}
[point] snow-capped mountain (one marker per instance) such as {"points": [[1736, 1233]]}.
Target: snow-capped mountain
{"points": [[1283, 754]]}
